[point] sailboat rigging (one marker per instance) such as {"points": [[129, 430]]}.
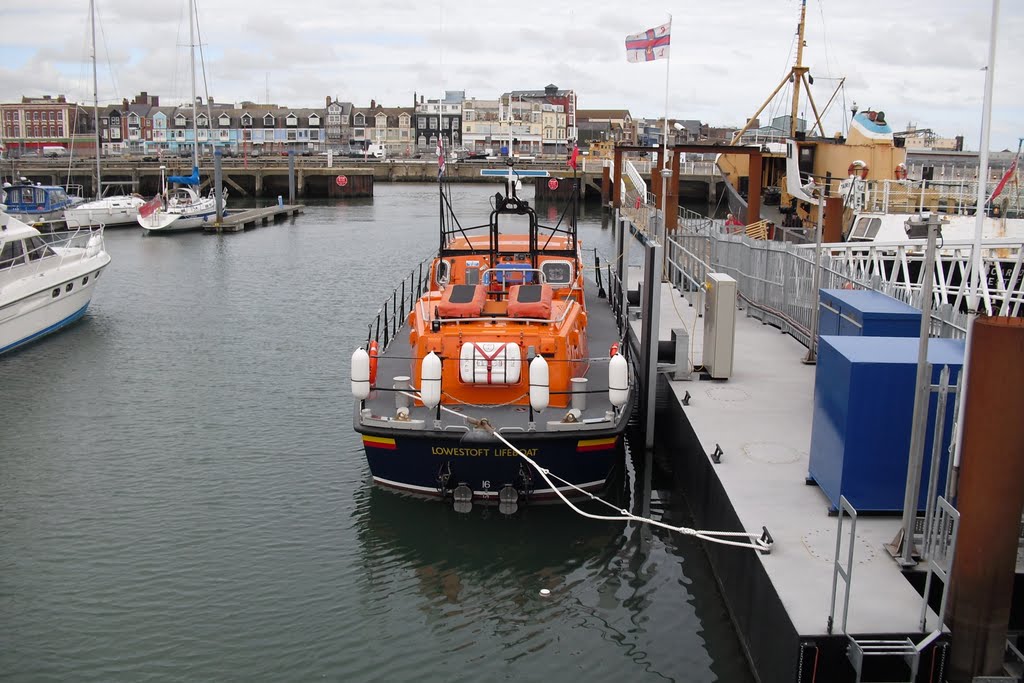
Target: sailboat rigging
{"points": [[107, 211], [183, 208]]}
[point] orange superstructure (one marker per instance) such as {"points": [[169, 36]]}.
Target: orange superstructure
{"points": [[528, 306]]}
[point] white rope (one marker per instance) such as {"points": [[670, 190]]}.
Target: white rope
{"points": [[755, 542]]}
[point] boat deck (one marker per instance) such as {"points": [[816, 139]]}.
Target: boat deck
{"points": [[395, 361]]}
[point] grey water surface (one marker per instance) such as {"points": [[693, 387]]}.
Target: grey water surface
{"points": [[182, 496]]}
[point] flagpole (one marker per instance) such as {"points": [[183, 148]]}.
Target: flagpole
{"points": [[974, 291], [668, 65]]}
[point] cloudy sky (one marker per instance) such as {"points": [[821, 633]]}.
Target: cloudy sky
{"points": [[918, 60]]}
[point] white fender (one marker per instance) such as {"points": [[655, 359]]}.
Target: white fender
{"points": [[360, 374], [618, 380], [539, 389], [430, 380]]}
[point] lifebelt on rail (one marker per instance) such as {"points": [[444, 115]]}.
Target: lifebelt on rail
{"points": [[900, 172], [858, 168], [373, 363], [637, 203]]}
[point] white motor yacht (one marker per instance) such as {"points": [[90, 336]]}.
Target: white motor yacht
{"points": [[45, 284]]}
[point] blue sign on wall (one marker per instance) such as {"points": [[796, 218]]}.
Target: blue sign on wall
{"points": [[504, 150]]}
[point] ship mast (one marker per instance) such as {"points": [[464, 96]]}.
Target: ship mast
{"points": [[796, 75], [798, 69], [95, 100]]}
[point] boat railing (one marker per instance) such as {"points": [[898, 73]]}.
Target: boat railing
{"points": [[394, 309], [775, 278], [955, 196], [428, 315]]}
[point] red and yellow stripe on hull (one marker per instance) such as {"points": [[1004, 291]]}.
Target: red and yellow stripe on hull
{"points": [[384, 442], [584, 445]]}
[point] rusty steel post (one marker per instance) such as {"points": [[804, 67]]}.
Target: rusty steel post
{"points": [[754, 189], [656, 177], [672, 205], [617, 185], [606, 184], [990, 500]]}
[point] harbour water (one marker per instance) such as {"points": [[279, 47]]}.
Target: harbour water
{"points": [[182, 495]]}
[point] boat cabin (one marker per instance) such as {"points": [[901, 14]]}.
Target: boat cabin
{"points": [[35, 200]]}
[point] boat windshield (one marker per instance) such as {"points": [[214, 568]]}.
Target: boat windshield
{"points": [[11, 254], [37, 248]]}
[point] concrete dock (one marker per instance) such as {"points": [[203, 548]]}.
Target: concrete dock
{"points": [[250, 218], [760, 419]]}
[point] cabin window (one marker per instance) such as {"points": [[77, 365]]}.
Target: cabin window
{"points": [[11, 254], [866, 228], [442, 272], [557, 273], [55, 293], [71, 285], [85, 280]]}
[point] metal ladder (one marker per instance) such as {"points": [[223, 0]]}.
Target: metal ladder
{"points": [[858, 650]]}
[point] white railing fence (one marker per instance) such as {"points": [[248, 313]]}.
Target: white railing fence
{"points": [[775, 278]]}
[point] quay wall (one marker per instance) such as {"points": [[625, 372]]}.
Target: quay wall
{"points": [[268, 176]]}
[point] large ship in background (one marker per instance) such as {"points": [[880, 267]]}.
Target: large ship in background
{"points": [[869, 151]]}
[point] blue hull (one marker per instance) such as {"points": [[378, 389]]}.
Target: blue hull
{"points": [[434, 464], [52, 328]]}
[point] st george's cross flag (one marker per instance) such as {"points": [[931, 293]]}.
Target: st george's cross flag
{"points": [[650, 45]]}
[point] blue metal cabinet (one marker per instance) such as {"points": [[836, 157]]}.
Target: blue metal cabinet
{"points": [[865, 313], [863, 406]]}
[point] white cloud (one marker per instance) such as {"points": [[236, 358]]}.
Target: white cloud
{"points": [[920, 64]]}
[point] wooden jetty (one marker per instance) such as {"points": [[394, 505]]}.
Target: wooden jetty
{"points": [[250, 218]]}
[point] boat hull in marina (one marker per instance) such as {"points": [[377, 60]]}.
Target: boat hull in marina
{"points": [[46, 293], [432, 464], [171, 222], [108, 212]]}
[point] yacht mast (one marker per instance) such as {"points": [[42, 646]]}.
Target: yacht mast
{"points": [[192, 57], [798, 69], [95, 100]]}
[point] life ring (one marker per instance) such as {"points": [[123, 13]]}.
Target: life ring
{"points": [[373, 363], [858, 168], [901, 172], [613, 350]]}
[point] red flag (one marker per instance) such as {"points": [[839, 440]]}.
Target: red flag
{"points": [[150, 207], [1006, 176], [574, 157]]}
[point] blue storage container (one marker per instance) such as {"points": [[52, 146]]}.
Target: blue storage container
{"points": [[866, 313], [863, 407]]}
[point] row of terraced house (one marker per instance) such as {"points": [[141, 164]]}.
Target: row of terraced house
{"points": [[528, 121]]}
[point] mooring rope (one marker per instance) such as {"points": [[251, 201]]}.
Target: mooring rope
{"points": [[754, 542]]}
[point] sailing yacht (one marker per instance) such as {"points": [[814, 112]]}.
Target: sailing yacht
{"points": [[106, 211], [183, 208]]}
